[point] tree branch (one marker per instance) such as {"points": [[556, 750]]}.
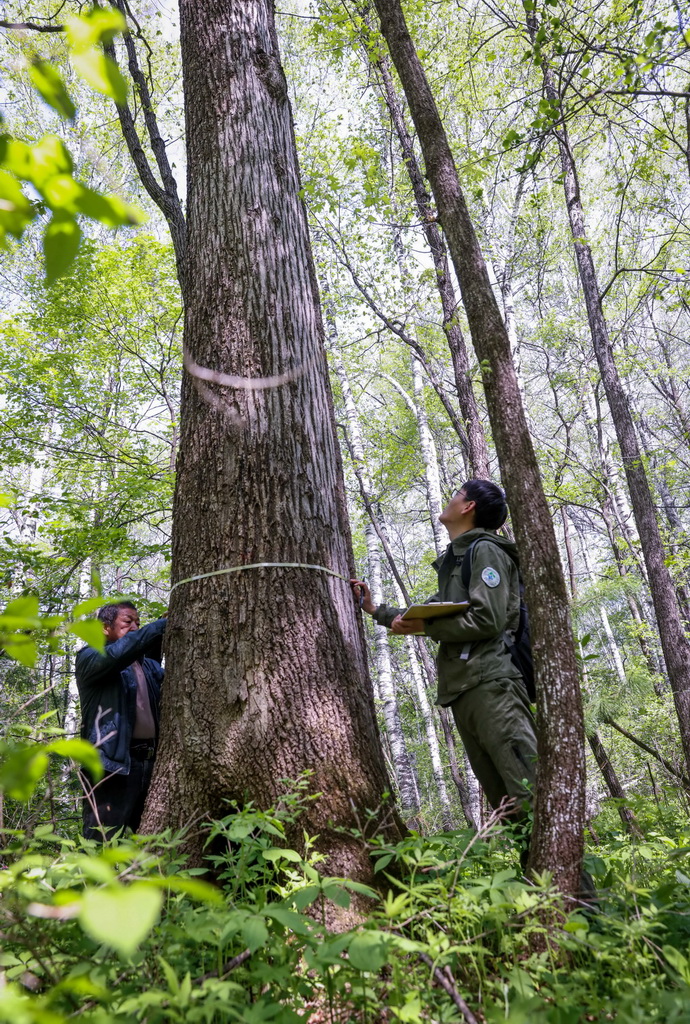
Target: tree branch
{"points": [[30, 26], [446, 981], [683, 779], [164, 196], [397, 329]]}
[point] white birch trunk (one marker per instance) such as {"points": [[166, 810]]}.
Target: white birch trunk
{"points": [[402, 764]]}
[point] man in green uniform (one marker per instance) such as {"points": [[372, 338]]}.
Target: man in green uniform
{"points": [[476, 676]]}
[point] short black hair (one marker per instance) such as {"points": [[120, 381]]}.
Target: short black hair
{"points": [[491, 510], [108, 613]]}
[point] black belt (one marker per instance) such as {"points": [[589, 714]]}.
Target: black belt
{"points": [[145, 750]]}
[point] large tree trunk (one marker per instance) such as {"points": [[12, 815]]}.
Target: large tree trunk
{"points": [[557, 843], [674, 643], [267, 674]]}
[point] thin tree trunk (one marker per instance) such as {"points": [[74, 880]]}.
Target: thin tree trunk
{"points": [[398, 331], [404, 771], [611, 644], [607, 770], [613, 782], [610, 511], [427, 447], [164, 192], [266, 674], [430, 731], [477, 452], [557, 843], [673, 640], [677, 531]]}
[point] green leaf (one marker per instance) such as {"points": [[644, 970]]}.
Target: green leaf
{"points": [[411, 1012], [86, 607], [368, 951], [121, 916], [275, 854], [109, 210], [255, 932], [303, 897], [170, 975], [49, 84], [338, 895], [60, 244], [39, 163], [363, 890], [99, 25], [185, 990], [23, 609], [62, 192], [90, 630], [101, 73], [679, 962], [15, 156], [196, 888], [22, 770], [81, 751], [22, 648], [297, 923], [15, 209], [7, 499], [97, 869]]}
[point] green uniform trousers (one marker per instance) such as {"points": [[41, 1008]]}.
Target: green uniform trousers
{"points": [[496, 726]]}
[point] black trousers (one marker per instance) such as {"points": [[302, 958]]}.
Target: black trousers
{"points": [[117, 801]]}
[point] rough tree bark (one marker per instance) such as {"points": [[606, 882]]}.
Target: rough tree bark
{"points": [[557, 843], [267, 673], [674, 642]]}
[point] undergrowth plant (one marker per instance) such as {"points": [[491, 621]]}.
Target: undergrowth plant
{"points": [[129, 932]]}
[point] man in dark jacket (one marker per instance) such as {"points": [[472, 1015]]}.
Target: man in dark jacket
{"points": [[119, 692], [476, 676]]}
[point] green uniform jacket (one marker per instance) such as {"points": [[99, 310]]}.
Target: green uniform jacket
{"points": [[494, 596]]}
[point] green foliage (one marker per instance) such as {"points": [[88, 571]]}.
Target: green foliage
{"points": [[47, 165], [256, 946], [22, 627], [86, 34]]}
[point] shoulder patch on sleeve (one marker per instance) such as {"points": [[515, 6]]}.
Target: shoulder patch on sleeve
{"points": [[491, 577]]}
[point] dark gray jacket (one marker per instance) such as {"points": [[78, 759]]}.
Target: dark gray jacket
{"points": [[108, 692]]}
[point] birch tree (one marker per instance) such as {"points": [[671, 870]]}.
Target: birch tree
{"points": [[675, 644]]}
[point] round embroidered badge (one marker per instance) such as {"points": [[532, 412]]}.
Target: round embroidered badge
{"points": [[491, 577]]}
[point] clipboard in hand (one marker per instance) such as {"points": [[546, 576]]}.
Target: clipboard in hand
{"points": [[435, 610]]}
